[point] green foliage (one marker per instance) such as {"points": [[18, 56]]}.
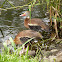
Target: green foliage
{"points": [[16, 58], [12, 58]]}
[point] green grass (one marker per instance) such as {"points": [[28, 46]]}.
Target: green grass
{"points": [[5, 56], [17, 58]]}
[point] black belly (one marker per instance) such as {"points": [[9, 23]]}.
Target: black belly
{"points": [[36, 28]]}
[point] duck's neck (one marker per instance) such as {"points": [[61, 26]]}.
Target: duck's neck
{"points": [[26, 21]]}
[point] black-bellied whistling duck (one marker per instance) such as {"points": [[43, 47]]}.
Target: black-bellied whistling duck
{"points": [[35, 23], [25, 35]]}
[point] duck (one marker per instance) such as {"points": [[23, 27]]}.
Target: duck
{"points": [[35, 24], [24, 36]]}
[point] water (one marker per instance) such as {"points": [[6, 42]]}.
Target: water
{"points": [[10, 21]]}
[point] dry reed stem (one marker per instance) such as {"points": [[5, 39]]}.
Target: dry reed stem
{"points": [[55, 22], [50, 16], [55, 25]]}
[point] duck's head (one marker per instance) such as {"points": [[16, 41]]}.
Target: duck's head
{"points": [[26, 14]]}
